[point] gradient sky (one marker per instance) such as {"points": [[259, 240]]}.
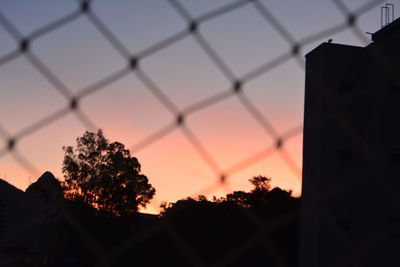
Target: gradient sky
{"points": [[127, 112]]}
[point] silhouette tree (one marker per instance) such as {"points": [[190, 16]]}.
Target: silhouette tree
{"points": [[104, 176], [257, 196], [227, 222], [261, 183]]}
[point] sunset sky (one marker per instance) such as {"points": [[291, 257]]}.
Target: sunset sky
{"points": [[79, 55]]}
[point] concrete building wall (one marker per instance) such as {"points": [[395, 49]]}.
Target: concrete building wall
{"points": [[334, 72], [351, 154]]}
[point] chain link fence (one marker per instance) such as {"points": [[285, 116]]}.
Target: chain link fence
{"points": [[74, 104]]}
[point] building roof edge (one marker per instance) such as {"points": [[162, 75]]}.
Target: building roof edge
{"points": [[386, 31], [326, 45]]}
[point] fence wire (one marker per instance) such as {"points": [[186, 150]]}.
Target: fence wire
{"points": [[237, 89]]}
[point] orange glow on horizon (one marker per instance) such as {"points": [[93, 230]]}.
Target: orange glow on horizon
{"points": [[177, 171]]}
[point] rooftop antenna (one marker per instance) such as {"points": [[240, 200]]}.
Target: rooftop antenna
{"points": [[387, 14]]}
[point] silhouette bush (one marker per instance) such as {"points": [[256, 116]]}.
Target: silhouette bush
{"points": [[104, 176], [214, 229]]}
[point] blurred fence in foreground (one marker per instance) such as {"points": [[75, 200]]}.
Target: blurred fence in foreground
{"points": [[237, 89]]}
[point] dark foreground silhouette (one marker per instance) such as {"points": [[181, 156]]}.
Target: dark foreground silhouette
{"points": [[256, 228], [104, 175]]}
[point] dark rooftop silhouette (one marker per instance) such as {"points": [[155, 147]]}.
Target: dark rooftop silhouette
{"points": [[390, 31], [350, 190]]}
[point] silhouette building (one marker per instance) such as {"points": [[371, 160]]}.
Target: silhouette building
{"points": [[351, 155]]}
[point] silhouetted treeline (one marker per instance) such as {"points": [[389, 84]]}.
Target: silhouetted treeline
{"points": [[260, 226], [256, 228], [104, 187]]}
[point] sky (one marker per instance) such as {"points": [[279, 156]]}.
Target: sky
{"points": [[79, 55]]}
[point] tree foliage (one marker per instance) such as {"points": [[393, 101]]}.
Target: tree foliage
{"points": [[105, 176], [260, 196], [230, 219]]}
